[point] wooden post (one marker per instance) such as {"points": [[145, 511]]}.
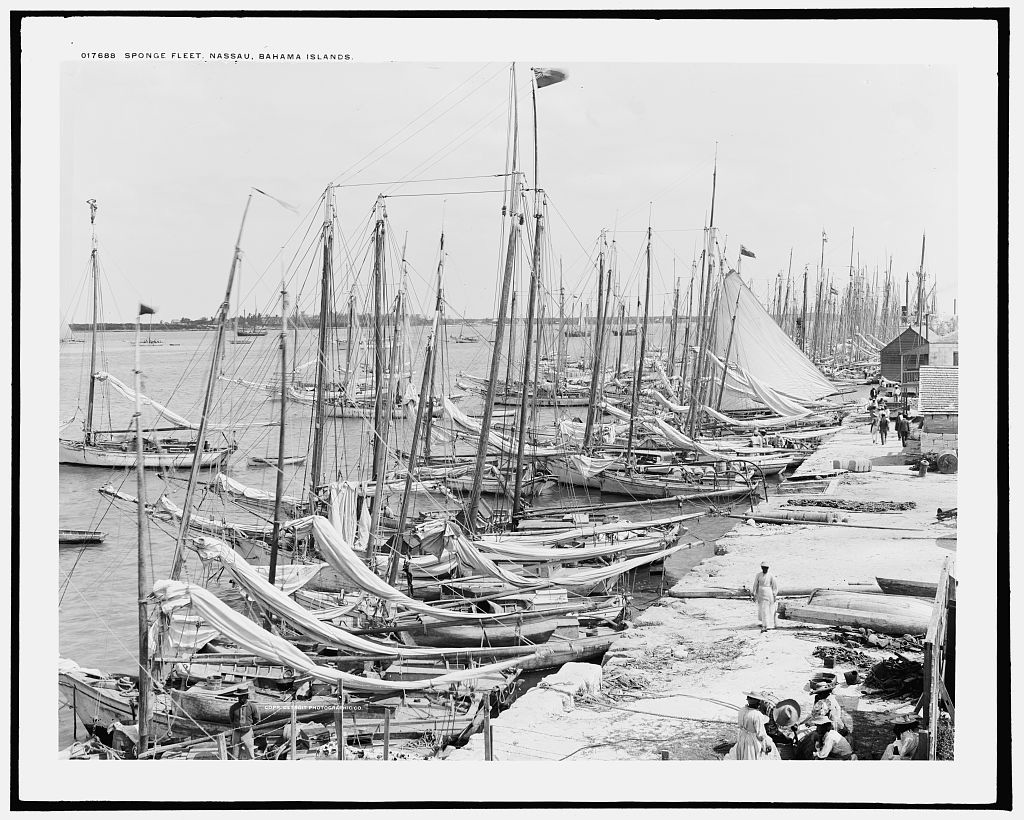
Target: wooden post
{"points": [[293, 733], [387, 732], [222, 746], [74, 712], [488, 737], [339, 730]]}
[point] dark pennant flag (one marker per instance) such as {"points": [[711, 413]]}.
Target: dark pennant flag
{"points": [[145, 310]]}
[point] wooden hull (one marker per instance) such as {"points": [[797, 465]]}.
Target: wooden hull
{"points": [[80, 537], [79, 454], [258, 461], [894, 605], [639, 487], [918, 589], [457, 635]]}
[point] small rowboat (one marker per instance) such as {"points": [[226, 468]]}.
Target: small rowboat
{"points": [[80, 537], [917, 589], [260, 461]]}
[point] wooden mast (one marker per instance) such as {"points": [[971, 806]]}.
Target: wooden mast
{"points": [[920, 285], [499, 328], [635, 408], [222, 319], [95, 310], [672, 329], [686, 335], [316, 460], [517, 499], [728, 347], [378, 332], [385, 401], [422, 409], [275, 538], [145, 583], [595, 374]]}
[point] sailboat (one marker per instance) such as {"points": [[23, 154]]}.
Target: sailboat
{"points": [[116, 447]]}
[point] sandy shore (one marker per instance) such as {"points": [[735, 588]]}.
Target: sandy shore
{"points": [[673, 683]]}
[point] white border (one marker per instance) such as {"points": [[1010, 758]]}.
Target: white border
{"points": [[970, 46]]}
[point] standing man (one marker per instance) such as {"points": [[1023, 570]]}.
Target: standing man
{"points": [[243, 717], [764, 591], [883, 425], [902, 428]]}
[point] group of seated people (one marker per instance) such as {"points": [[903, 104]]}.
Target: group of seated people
{"points": [[823, 734]]}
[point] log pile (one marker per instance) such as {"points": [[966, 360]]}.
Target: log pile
{"points": [[853, 506], [896, 677], [865, 637]]}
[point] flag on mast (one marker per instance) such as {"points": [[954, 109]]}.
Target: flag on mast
{"points": [[745, 252], [824, 238], [548, 76], [146, 310], [280, 202]]}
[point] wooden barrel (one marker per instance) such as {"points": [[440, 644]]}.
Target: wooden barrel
{"points": [[947, 462]]}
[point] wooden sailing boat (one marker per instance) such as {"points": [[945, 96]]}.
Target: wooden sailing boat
{"points": [[116, 448]]}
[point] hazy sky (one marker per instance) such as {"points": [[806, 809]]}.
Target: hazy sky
{"points": [[170, 150]]}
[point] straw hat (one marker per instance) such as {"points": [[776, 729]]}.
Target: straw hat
{"points": [[910, 719], [765, 564], [786, 713], [821, 720], [244, 689], [819, 686], [755, 694]]}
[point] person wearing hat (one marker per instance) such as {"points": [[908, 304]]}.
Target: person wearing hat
{"points": [[764, 591], [756, 439], [752, 741], [826, 705], [828, 743], [904, 747], [243, 717]]}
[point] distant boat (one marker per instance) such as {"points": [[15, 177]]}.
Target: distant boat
{"points": [[260, 461], [117, 448], [80, 537], [68, 336]]}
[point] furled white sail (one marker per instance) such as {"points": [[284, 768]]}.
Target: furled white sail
{"points": [[251, 637]]}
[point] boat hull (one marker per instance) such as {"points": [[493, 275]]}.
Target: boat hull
{"points": [[647, 488], [82, 455]]}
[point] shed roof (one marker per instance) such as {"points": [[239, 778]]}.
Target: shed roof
{"points": [[938, 391], [905, 341]]}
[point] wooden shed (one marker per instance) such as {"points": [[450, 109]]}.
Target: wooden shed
{"points": [[901, 358]]}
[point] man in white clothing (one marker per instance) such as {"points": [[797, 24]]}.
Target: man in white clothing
{"points": [[765, 590]]}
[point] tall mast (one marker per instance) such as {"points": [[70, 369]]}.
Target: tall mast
{"points": [[672, 329], [560, 348], [378, 327], [517, 500], [920, 284], [385, 396], [499, 328], [145, 583], [803, 317], [595, 374], [95, 310], [728, 347], [316, 462], [421, 409], [438, 335], [686, 335], [197, 459], [349, 336], [275, 538], [643, 350]]}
